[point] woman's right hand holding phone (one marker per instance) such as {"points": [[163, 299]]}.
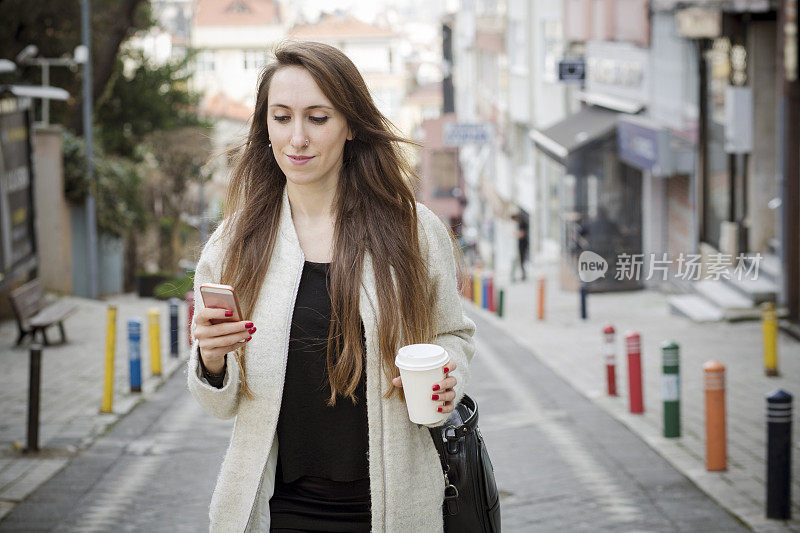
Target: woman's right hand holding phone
{"points": [[216, 340]]}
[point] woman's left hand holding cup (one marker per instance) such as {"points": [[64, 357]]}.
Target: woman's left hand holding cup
{"points": [[442, 390]]}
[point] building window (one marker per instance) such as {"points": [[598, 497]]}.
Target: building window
{"points": [[552, 49], [206, 61], [254, 59]]}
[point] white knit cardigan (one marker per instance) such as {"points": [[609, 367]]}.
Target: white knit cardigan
{"points": [[406, 482]]}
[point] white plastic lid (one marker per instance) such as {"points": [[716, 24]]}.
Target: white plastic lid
{"points": [[421, 357]]}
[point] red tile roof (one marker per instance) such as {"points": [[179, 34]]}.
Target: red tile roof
{"points": [[338, 26], [236, 13]]}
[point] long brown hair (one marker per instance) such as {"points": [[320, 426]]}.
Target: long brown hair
{"points": [[375, 212]]}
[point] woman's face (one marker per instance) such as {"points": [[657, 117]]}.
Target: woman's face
{"points": [[298, 111]]}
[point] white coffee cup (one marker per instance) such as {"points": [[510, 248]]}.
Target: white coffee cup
{"points": [[421, 365]]}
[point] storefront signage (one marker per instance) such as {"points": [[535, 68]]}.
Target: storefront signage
{"points": [[644, 146], [619, 70], [459, 133], [698, 23]]}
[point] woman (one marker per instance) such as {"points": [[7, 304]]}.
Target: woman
{"points": [[336, 266]]}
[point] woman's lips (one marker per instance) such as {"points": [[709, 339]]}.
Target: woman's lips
{"points": [[299, 159]]}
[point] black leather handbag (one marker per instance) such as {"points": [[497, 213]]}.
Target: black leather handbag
{"points": [[471, 501]]}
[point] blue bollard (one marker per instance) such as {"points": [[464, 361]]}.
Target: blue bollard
{"points": [[485, 292], [173, 326], [134, 353]]}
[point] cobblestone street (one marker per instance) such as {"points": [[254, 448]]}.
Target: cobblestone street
{"points": [[560, 461]]}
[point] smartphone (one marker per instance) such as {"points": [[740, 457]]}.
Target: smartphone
{"points": [[221, 296]]}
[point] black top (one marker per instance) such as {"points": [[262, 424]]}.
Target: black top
{"points": [[314, 439]]}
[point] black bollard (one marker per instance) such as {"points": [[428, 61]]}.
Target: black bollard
{"points": [[33, 397], [173, 326], [779, 455], [583, 301]]}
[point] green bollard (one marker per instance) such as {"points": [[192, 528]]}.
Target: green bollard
{"points": [[671, 389], [500, 303]]}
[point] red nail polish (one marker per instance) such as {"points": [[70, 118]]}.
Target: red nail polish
{"points": [[248, 325], [436, 387], [439, 409], [446, 370], [434, 397], [228, 313], [248, 338], [252, 330]]}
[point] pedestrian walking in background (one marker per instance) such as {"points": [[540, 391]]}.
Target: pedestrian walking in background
{"points": [[335, 267], [522, 244]]}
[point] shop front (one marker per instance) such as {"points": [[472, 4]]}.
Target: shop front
{"points": [[599, 196]]}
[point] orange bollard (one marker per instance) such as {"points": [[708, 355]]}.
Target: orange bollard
{"points": [[540, 306], [716, 438]]}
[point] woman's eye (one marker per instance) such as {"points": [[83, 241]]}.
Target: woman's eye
{"points": [[319, 120], [281, 118]]}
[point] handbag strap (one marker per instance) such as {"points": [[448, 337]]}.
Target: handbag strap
{"points": [[453, 432]]}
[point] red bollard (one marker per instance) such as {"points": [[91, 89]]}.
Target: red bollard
{"points": [[633, 344], [611, 360], [492, 303], [190, 306]]}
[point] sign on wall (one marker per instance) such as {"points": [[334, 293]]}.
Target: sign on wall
{"points": [[460, 133], [619, 70], [17, 239], [571, 70], [643, 146]]}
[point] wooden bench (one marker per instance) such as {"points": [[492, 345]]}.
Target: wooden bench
{"points": [[34, 313]]}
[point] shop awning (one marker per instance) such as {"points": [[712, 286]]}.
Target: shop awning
{"points": [[588, 124]]}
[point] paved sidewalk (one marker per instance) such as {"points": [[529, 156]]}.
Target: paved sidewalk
{"points": [[573, 347], [72, 388]]}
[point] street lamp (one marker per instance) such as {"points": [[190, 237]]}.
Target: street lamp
{"points": [[28, 57]]}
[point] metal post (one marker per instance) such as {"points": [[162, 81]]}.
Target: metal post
{"points": [[91, 220], [633, 344], [476, 287], [779, 455], [490, 293], [583, 301], [769, 325], [34, 380], [111, 341], [135, 354], [485, 291], [45, 101], [540, 299], [155, 341], [611, 360], [500, 303], [789, 155], [671, 389], [716, 432], [173, 326]]}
